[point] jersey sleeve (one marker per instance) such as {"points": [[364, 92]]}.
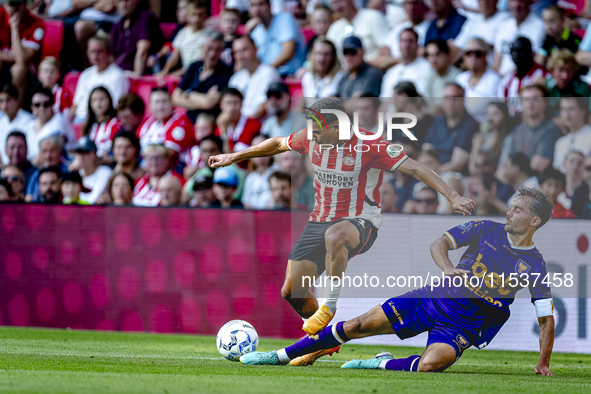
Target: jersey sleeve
{"points": [[386, 156], [298, 141], [465, 234], [33, 36], [66, 100], [539, 282], [180, 136]]}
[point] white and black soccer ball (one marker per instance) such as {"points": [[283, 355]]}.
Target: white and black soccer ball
{"points": [[235, 338]]}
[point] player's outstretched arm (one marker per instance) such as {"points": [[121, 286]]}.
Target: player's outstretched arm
{"points": [[460, 204], [439, 251], [269, 147], [546, 344]]}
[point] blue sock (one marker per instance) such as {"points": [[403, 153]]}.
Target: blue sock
{"points": [[403, 364], [328, 338]]}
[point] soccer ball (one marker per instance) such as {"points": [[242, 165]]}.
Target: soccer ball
{"points": [[236, 338]]}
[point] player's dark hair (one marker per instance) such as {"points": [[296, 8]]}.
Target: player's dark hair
{"points": [[522, 161], [281, 176], [232, 92], [7, 186], [327, 103], [131, 137], [551, 174], [539, 204], [215, 139], [17, 134], [55, 169], [440, 44], [10, 90]]}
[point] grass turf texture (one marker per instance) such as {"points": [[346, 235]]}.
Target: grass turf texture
{"points": [[52, 361]]}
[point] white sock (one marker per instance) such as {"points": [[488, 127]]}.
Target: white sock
{"points": [[304, 319], [383, 364], [282, 356], [332, 294]]}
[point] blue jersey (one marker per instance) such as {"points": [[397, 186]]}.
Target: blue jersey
{"points": [[498, 269]]}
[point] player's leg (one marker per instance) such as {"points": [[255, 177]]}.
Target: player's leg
{"points": [[296, 288], [437, 358]]}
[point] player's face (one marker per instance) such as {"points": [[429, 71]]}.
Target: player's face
{"points": [[121, 190], [281, 192], [8, 105], [123, 151], [322, 136], [519, 219], [48, 75], [160, 105]]}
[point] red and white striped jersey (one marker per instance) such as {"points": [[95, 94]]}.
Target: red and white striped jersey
{"points": [[193, 157], [175, 132], [511, 86], [347, 180], [103, 133], [147, 196], [62, 99]]}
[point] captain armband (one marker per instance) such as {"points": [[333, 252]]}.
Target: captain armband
{"points": [[544, 307]]}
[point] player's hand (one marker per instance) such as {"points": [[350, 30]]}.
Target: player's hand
{"points": [[463, 205], [543, 370], [224, 160], [455, 272]]}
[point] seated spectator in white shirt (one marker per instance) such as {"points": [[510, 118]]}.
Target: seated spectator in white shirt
{"points": [[442, 72], [480, 82], [253, 79], [325, 71], [47, 123], [12, 118], [103, 72], [574, 112], [257, 193], [278, 107], [411, 68], [94, 176]]}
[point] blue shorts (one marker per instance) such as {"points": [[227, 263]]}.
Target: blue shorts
{"points": [[454, 321]]}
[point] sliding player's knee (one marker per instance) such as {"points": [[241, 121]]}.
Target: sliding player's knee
{"points": [[434, 363]]}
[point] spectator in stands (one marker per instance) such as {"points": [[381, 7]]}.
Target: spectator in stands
{"points": [[406, 99], [573, 113], [50, 153], [448, 22], [12, 118], [136, 36], [278, 37], [94, 176], [442, 71], [416, 10], [20, 46], [130, 112], [451, 133], [6, 193], [479, 81], [46, 123], [208, 146], [155, 61], [229, 23], [320, 21], [564, 81], [302, 184], [552, 183], [225, 184], [71, 188], [49, 76], [126, 153], [102, 123], [411, 68], [234, 128], [188, 43], [16, 151], [573, 166], [173, 130], [280, 191], [388, 197], [48, 186], [257, 193], [199, 90], [526, 72], [360, 77], [170, 191], [16, 179], [581, 200], [202, 192], [368, 25], [367, 108], [204, 126], [120, 189], [492, 135], [522, 23], [103, 72], [535, 136], [583, 54], [278, 105], [158, 165], [424, 201], [557, 36], [253, 79], [324, 75]]}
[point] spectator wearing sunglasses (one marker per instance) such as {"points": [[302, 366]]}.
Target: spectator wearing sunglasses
{"points": [[480, 80], [424, 201], [16, 151], [361, 78], [6, 193], [47, 122], [16, 179]]}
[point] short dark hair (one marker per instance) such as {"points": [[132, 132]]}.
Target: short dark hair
{"points": [[327, 103], [582, 102], [441, 44], [160, 89], [281, 176], [410, 30], [374, 99], [407, 88], [522, 161], [551, 174], [10, 90], [232, 92], [44, 91], [199, 4], [17, 134], [536, 86], [557, 9], [7, 186], [55, 169], [215, 139], [539, 204], [131, 137], [133, 102], [233, 11]]}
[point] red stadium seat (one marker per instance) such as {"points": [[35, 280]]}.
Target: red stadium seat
{"points": [[54, 34], [70, 81], [216, 7], [295, 86], [167, 29], [308, 33]]}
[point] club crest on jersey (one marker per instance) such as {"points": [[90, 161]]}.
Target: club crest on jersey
{"points": [[393, 151], [465, 226], [348, 161], [522, 267], [463, 342]]}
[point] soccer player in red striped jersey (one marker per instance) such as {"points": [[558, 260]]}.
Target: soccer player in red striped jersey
{"points": [[347, 214]]}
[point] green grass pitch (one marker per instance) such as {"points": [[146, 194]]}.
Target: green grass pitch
{"points": [[58, 361]]}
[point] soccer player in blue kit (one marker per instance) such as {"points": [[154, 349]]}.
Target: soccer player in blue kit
{"points": [[501, 259]]}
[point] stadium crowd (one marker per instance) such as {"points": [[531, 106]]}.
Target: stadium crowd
{"points": [[500, 90]]}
